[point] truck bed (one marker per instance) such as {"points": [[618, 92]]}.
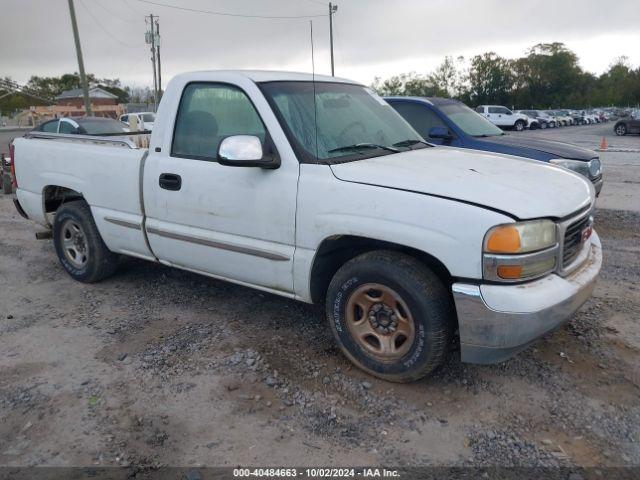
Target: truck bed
{"points": [[105, 170]]}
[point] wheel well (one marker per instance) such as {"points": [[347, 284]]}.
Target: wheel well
{"points": [[53, 196], [336, 251]]}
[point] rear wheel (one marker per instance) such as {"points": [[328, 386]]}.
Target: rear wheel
{"points": [[79, 246], [391, 315], [621, 129], [543, 125]]}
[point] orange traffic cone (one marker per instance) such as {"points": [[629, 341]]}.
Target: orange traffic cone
{"points": [[603, 144]]}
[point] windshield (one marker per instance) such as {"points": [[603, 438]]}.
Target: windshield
{"points": [[102, 126], [346, 116], [469, 121], [148, 117]]}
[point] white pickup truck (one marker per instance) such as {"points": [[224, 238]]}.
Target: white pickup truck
{"points": [[505, 118], [315, 189]]}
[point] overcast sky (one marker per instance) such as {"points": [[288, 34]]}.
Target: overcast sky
{"points": [[372, 37]]}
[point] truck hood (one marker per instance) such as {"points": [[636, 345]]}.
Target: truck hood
{"points": [[553, 148], [519, 187]]}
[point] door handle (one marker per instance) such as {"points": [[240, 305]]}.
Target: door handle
{"points": [[170, 181]]}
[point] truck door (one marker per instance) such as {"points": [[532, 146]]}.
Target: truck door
{"points": [[236, 223], [495, 116]]}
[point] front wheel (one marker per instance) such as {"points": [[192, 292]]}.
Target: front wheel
{"points": [[543, 125], [391, 315], [519, 126], [79, 246], [621, 129]]}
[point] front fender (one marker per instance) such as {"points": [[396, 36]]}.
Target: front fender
{"points": [[448, 230]]}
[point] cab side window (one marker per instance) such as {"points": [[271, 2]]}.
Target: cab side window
{"points": [[50, 127], [66, 127], [207, 114], [419, 117]]}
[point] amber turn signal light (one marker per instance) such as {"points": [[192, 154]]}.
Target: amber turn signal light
{"points": [[505, 239], [510, 272]]}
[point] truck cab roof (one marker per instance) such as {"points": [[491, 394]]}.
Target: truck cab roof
{"points": [[259, 76]]}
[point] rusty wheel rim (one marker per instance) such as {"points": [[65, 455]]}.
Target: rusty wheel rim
{"points": [[380, 322]]}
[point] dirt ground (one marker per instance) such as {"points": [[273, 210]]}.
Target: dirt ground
{"points": [[156, 366]]}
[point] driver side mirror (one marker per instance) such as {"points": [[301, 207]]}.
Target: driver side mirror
{"points": [[245, 151], [440, 132]]}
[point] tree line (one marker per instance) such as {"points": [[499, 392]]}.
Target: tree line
{"points": [[548, 76], [39, 88]]}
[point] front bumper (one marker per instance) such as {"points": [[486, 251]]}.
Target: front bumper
{"points": [[498, 321]]}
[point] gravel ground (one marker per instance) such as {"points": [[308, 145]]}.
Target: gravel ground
{"points": [[156, 366]]}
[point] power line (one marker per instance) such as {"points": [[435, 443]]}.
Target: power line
{"points": [[134, 9], [227, 14], [104, 29], [128, 20], [14, 87]]}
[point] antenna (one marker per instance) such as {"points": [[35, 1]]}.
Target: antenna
{"points": [[313, 80]]}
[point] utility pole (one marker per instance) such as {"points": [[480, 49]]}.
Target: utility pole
{"points": [[332, 9], [151, 38], [159, 65], [83, 77]]}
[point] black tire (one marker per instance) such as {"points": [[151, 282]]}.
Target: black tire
{"points": [[429, 310], [99, 261], [621, 129], [7, 188], [519, 126], [543, 125]]}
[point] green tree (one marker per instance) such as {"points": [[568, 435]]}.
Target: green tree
{"points": [[51, 87], [409, 84], [549, 75], [491, 79], [448, 78]]}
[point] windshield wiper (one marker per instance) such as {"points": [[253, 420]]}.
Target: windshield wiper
{"points": [[360, 146], [409, 143]]}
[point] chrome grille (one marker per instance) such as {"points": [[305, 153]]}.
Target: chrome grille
{"points": [[573, 240]]}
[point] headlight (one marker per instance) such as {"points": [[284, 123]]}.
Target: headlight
{"points": [[520, 251], [521, 237], [595, 167], [590, 169]]}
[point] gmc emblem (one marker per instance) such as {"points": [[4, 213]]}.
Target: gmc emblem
{"points": [[586, 233]]}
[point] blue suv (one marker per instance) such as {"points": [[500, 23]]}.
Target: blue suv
{"points": [[448, 122]]}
